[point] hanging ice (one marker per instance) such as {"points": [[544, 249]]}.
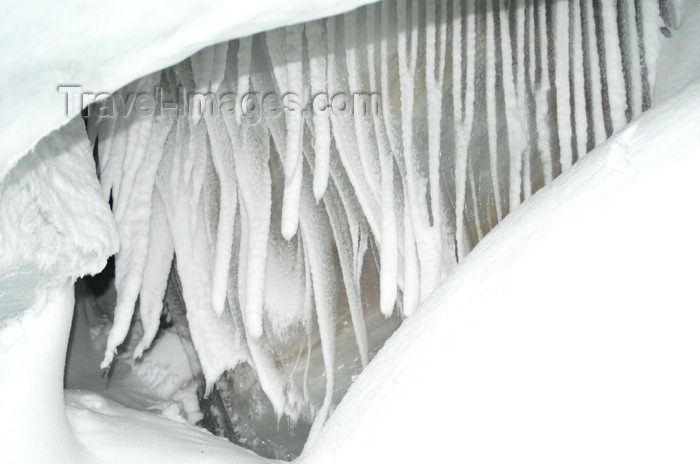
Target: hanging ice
{"points": [[311, 156]]}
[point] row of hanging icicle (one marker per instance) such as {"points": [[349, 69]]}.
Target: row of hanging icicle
{"points": [[479, 105]]}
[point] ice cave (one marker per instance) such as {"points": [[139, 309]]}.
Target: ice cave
{"points": [[342, 231]]}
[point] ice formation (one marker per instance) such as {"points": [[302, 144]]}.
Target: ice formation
{"points": [[378, 169], [275, 220]]}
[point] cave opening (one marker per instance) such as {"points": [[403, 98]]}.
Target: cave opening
{"points": [[272, 241]]}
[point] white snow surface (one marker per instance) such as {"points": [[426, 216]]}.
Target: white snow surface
{"points": [[113, 434], [569, 334], [104, 45]]}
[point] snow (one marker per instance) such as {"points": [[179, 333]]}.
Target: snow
{"points": [[112, 434], [34, 428], [32, 36], [42, 230], [495, 353]]}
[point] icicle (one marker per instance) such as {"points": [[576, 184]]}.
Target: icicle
{"points": [[211, 204], [222, 157], [576, 75], [363, 133], [284, 48], [253, 176], [426, 241], [133, 229], [491, 116], [436, 41], [345, 141], [293, 158], [341, 234], [514, 119], [460, 137], [613, 66], [529, 81], [562, 36], [541, 98], [463, 114], [589, 37], [651, 22], [388, 112], [260, 357], [354, 216], [214, 337], [251, 157], [388, 245], [195, 165], [284, 276], [469, 107], [316, 38], [411, 295], [315, 230], [632, 56], [155, 274]]}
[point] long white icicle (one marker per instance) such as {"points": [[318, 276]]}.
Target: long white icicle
{"points": [[317, 40], [491, 115]]}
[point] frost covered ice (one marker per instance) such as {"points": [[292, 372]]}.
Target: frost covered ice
{"points": [[282, 229], [375, 187]]}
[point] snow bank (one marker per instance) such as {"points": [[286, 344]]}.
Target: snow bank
{"points": [[113, 434]]}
